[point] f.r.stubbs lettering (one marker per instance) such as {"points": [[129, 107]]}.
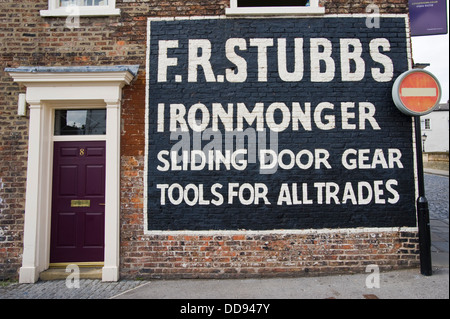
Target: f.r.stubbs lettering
{"points": [[266, 124], [321, 50]]}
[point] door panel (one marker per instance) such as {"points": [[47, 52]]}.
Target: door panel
{"points": [[78, 211], [95, 151], [95, 180], [68, 151], [93, 237], [66, 230], [68, 181]]}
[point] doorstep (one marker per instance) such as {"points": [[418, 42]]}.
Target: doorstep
{"points": [[61, 274]]}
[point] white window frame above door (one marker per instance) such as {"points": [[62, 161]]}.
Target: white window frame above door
{"points": [[313, 9], [48, 88], [56, 10], [77, 105]]}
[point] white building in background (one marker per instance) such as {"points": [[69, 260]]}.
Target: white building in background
{"points": [[435, 130]]}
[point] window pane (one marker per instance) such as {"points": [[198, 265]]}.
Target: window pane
{"points": [[65, 3], [273, 3], [80, 122]]}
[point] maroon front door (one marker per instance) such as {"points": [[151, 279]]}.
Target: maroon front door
{"points": [[78, 202]]}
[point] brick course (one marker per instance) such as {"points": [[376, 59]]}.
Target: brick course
{"points": [[27, 39]]}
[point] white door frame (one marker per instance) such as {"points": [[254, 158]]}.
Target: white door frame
{"points": [[68, 87]]}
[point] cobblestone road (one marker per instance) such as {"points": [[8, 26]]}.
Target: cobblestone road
{"points": [[437, 189], [57, 289]]}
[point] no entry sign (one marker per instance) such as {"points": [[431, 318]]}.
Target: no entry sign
{"points": [[416, 92]]}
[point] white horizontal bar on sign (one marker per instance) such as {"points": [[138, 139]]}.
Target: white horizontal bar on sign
{"points": [[419, 92]]}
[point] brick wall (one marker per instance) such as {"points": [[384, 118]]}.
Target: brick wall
{"points": [[29, 39], [237, 256]]}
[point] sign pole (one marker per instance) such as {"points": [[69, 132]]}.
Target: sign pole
{"points": [[423, 213], [416, 93]]}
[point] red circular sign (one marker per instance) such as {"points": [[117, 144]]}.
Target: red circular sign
{"points": [[417, 92]]}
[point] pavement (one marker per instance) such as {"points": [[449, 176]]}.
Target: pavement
{"points": [[436, 172], [392, 285], [403, 284], [437, 193]]}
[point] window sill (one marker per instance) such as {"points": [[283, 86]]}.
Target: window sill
{"points": [[83, 12], [275, 11]]}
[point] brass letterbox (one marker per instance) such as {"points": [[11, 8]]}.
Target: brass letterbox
{"points": [[80, 203]]}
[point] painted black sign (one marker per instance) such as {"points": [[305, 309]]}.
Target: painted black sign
{"points": [[278, 123]]}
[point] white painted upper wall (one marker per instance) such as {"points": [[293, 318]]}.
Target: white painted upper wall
{"points": [[438, 131]]}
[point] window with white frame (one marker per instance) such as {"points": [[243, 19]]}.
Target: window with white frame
{"points": [[425, 124], [274, 7], [85, 3], [66, 8]]}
